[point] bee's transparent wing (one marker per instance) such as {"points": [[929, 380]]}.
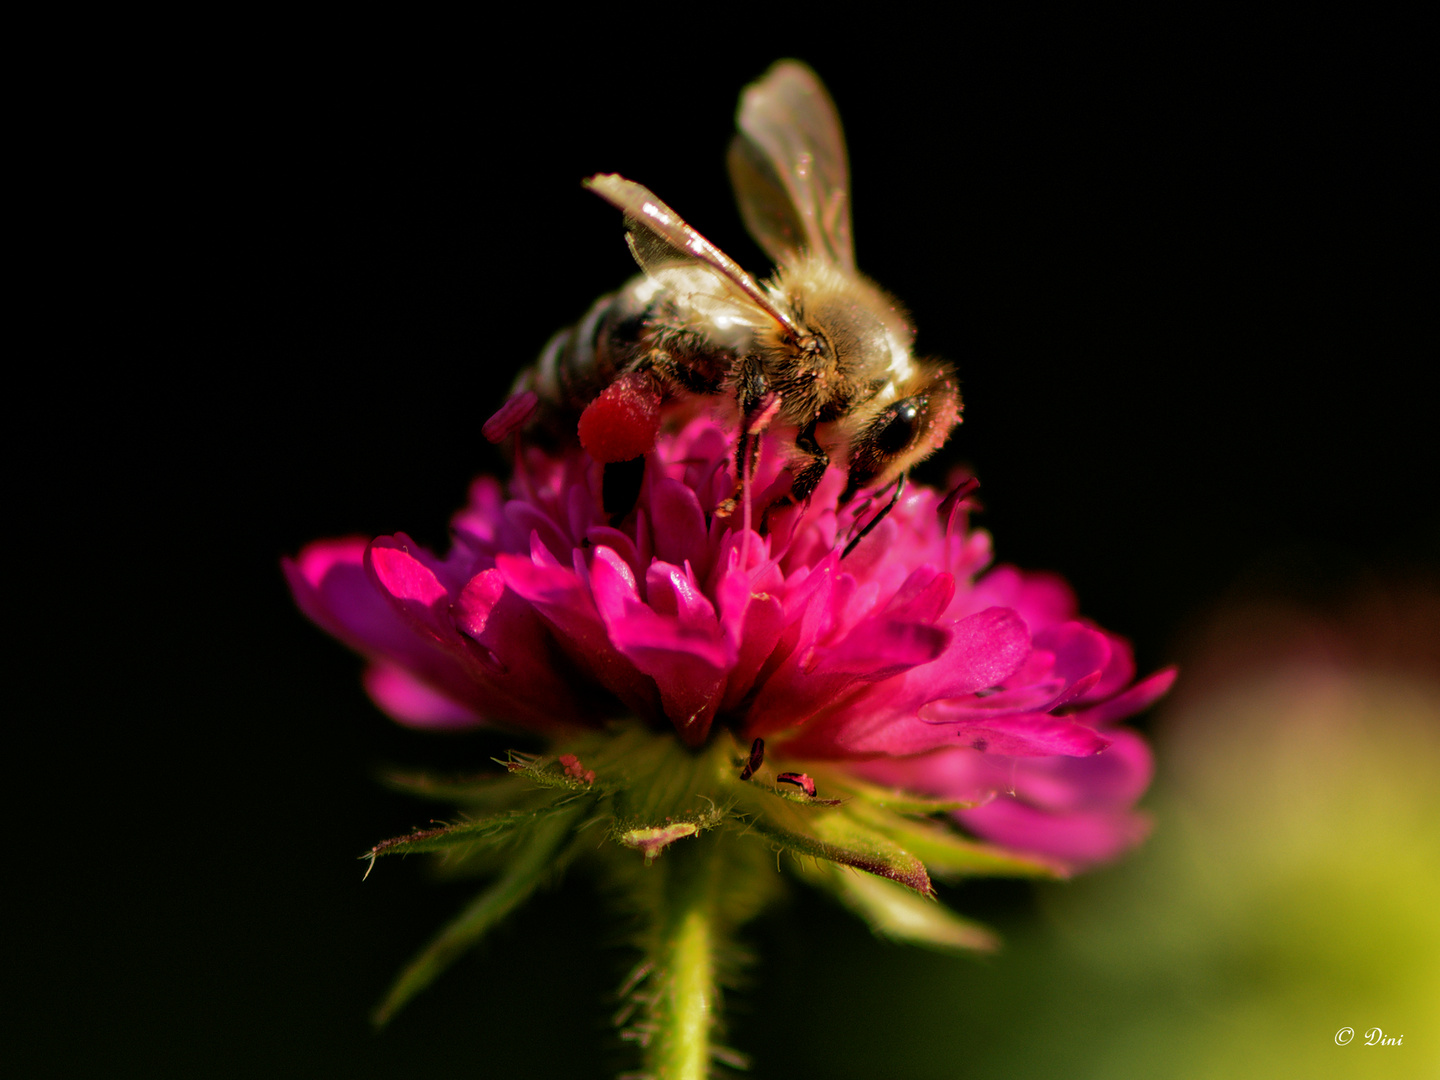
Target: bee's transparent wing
{"points": [[659, 237], [789, 169]]}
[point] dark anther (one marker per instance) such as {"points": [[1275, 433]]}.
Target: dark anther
{"points": [[800, 780], [757, 758]]}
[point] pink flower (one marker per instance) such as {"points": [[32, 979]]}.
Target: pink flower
{"points": [[903, 659]]}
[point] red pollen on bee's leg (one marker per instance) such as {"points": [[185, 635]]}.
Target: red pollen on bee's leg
{"points": [[623, 421]]}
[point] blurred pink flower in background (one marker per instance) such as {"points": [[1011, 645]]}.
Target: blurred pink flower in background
{"points": [[904, 660]]}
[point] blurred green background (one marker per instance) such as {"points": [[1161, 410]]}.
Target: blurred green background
{"points": [[284, 273], [1290, 890]]}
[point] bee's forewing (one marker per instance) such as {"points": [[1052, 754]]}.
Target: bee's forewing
{"points": [[659, 236], [789, 168]]}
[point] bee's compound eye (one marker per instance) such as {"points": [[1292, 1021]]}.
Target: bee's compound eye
{"points": [[900, 423]]}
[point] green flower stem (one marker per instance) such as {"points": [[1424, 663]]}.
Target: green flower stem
{"points": [[685, 1010]]}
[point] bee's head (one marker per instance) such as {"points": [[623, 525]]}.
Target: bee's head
{"points": [[906, 431]]}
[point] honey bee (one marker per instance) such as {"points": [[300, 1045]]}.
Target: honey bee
{"points": [[816, 346]]}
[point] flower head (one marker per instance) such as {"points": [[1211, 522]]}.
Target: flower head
{"points": [[903, 663]]}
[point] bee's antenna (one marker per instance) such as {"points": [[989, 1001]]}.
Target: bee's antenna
{"points": [[899, 488]]}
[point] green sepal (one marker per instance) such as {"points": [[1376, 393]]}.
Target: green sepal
{"points": [[831, 834], [897, 913], [494, 828], [534, 858], [548, 772], [947, 853], [893, 799]]}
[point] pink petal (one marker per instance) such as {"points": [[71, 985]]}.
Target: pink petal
{"points": [[560, 598], [1080, 839], [954, 773], [687, 665], [984, 648], [411, 585], [612, 584], [1115, 778], [329, 583], [1079, 650], [924, 597], [477, 599], [1138, 698], [531, 521], [1041, 599], [679, 525], [672, 590], [416, 703], [1024, 736], [878, 649]]}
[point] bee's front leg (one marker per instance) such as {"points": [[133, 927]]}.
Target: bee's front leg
{"points": [[808, 478], [756, 406]]}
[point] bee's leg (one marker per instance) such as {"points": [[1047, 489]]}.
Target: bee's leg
{"points": [[756, 408], [754, 404], [619, 429], [811, 473], [864, 532]]}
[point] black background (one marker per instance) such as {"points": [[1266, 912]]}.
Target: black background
{"points": [[283, 276]]}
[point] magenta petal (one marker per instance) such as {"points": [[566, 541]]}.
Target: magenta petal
{"points": [[1079, 650], [951, 773], [612, 585], [477, 599], [402, 575], [688, 665], [1081, 838], [1115, 778], [924, 597], [329, 583], [673, 591], [554, 591], [1139, 697], [1028, 698], [985, 649], [1041, 599], [411, 586], [679, 525], [532, 521], [1022, 736], [878, 649], [415, 703], [618, 542], [752, 624], [560, 598], [1118, 672]]}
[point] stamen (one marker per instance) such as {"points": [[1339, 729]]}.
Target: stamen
{"points": [[757, 758], [800, 780], [953, 503], [511, 416]]}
